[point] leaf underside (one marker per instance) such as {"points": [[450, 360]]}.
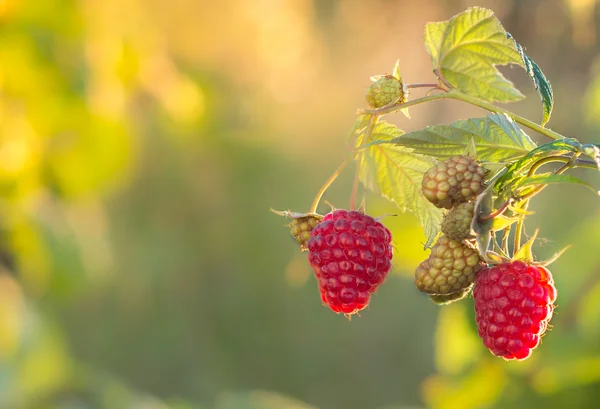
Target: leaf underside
{"points": [[541, 83], [496, 138], [396, 173]]}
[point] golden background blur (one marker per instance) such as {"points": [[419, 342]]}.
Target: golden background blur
{"points": [[142, 144]]}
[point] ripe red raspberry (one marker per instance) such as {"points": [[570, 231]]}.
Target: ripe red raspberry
{"points": [[385, 91], [457, 223], [453, 181], [350, 253], [513, 304], [451, 266]]}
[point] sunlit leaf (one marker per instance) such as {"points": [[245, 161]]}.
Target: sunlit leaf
{"points": [[465, 51], [549, 178], [497, 138], [397, 173], [542, 85], [518, 169], [502, 222]]}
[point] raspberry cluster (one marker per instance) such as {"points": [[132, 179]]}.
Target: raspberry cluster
{"points": [[450, 270], [350, 253]]}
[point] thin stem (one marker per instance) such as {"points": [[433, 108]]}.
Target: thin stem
{"points": [[354, 189], [398, 107], [422, 86], [497, 212], [505, 237], [569, 164], [457, 95], [519, 230], [332, 178], [544, 161], [517, 118]]}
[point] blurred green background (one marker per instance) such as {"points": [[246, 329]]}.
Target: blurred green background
{"points": [[142, 144]]}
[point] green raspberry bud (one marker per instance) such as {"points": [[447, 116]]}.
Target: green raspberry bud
{"points": [[385, 91], [457, 224]]}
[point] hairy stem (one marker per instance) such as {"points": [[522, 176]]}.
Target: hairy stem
{"points": [[332, 178], [454, 94], [569, 163], [498, 212], [505, 237], [423, 86], [519, 230]]}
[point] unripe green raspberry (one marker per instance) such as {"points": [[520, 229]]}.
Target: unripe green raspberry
{"points": [[301, 228], [444, 299], [451, 267], [385, 91], [453, 181], [457, 224]]}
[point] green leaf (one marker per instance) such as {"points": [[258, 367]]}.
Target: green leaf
{"points": [[549, 178], [497, 138], [542, 85], [465, 51], [518, 169], [396, 173]]}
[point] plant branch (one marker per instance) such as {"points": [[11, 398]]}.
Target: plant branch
{"points": [[544, 161], [519, 231], [457, 95], [498, 212], [568, 164], [423, 86], [332, 178]]}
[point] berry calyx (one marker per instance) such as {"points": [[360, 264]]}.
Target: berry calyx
{"points": [[453, 181], [451, 267], [457, 223], [386, 90], [350, 253], [514, 302], [445, 299]]}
